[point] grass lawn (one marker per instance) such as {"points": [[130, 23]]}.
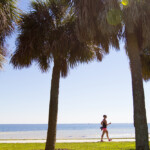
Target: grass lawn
{"points": [[72, 146]]}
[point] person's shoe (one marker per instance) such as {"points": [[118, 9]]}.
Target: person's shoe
{"points": [[110, 140], [102, 141]]}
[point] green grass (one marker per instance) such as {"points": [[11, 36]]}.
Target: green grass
{"points": [[72, 146]]}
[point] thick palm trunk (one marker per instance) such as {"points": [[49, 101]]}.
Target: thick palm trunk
{"points": [[53, 108], [140, 120]]}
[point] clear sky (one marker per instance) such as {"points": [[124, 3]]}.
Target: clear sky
{"points": [[88, 92]]}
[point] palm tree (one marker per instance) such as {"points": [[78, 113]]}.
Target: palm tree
{"points": [[9, 15], [47, 34], [133, 18], [136, 34]]}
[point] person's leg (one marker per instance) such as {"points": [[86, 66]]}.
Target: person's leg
{"points": [[107, 135], [102, 135]]}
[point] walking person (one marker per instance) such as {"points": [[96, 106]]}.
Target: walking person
{"points": [[104, 128]]}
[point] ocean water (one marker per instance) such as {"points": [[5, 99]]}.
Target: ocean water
{"points": [[65, 131]]}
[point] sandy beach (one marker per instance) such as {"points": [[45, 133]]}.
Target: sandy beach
{"points": [[67, 134], [66, 141]]}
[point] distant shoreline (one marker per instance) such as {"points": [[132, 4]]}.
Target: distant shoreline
{"points": [[66, 141], [62, 139]]}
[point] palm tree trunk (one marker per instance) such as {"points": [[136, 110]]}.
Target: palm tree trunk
{"points": [[53, 108], [140, 120]]}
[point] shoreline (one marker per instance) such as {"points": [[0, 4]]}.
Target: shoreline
{"points": [[67, 141]]}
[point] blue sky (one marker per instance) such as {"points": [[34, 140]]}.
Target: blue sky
{"points": [[88, 92]]}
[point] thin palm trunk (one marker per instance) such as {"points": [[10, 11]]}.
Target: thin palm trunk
{"points": [[140, 120], [53, 108]]}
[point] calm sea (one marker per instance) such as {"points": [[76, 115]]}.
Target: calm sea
{"points": [[65, 131]]}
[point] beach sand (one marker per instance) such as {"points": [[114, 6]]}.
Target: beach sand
{"points": [[61, 134], [62, 137], [65, 141]]}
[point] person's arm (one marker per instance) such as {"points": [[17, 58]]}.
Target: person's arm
{"points": [[108, 123], [102, 123]]}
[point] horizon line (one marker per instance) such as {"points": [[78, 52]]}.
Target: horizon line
{"points": [[64, 123]]}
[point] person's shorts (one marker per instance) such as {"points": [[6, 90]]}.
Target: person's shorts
{"points": [[104, 129]]}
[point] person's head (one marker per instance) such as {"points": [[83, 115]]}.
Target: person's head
{"points": [[104, 116]]}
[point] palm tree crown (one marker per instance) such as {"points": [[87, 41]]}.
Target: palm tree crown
{"points": [[47, 33], [99, 21], [8, 17]]}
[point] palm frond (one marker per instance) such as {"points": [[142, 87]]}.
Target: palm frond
{"points": [[31, 43], [2, 60], [136, 20], [9, 15], [145, 60], [100, 22]]}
